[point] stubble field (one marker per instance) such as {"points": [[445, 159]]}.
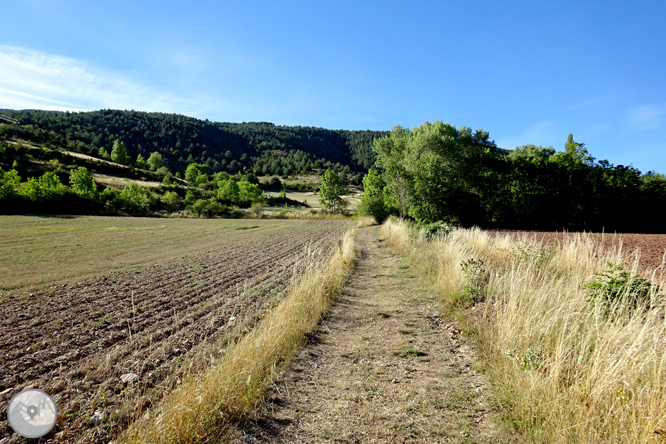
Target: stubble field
{"points": [[167, 312]]}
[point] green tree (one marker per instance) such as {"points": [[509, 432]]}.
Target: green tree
{"points": [[390, 152], [155, 161], [249, 192], [436, 171], [140, 161], [82, 183], [574, 154], [42, 189], [532, 153], [200, 207], [331, 191], [196, 173], [134, 198], [171, 200], [192, 195], [9, 183], [119, 152], [229, 192], [372, 204]]}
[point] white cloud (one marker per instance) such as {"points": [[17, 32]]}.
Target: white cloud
{"points": [[541, 133], [31, 79], [646, 117]]}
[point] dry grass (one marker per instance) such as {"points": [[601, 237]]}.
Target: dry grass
{"points": [[561, 372], [120, 182], [202, 408]]}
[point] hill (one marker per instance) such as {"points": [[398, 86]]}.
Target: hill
{"points": [[253, 147]]}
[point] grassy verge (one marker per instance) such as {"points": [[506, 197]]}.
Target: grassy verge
{"points": [[562, 370], [202, 408]]}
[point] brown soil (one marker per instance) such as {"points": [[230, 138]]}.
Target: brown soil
{"points": [[383, 366], [161, 323], [650, 247]]}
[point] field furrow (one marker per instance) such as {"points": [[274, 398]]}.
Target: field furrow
{"points": [[161, 321]]}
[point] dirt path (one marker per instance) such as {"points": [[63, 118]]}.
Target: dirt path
{"points": [[382, 367]]}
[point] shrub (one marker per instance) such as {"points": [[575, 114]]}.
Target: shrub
{"points": [[526, 252], [439, 228], [475, 282], [134, 198], [616, 292]]}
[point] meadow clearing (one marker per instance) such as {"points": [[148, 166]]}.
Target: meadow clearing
{"points": [[87, 300]]}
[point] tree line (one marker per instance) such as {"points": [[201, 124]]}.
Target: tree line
{"points": [[437, 172], [71, 189]]}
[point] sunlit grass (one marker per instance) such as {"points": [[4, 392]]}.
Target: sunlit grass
{"points": [[202, 408], [561, 372]]}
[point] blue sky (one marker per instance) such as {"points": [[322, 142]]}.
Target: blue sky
{"points": [[527, 72]]}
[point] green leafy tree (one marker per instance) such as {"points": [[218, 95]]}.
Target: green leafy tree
{"points": [[229, 192], [532, 153], [221, 178], [436, 171], [574, 154], [163, 171], [119, 152], [9, 183], [192, 195], [82, 183], [200, 207], [134, 198], [331, 191], [372, 204], [196, 173], [104, 154], [140, 161], [249, 192], [42, 189], [171, 201], [390, 152], [155, 161]]}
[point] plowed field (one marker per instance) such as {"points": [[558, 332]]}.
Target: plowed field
{"points": [[160, 322]]}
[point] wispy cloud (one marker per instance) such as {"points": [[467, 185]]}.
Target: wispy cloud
{"points": [[648, 116], [541, 133], [31, 79]]}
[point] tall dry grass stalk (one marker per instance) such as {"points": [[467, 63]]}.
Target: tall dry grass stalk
{"points": [[200, 409], [563, 373]]}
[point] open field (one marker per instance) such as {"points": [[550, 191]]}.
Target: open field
{"points": [[312, 200], [181, 290], [121, 182], [38, 252]]}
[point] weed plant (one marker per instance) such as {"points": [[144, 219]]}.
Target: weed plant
{"points": [[616, 293], [473, 289]]}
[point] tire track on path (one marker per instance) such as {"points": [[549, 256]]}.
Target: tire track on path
{"points": [[382, 367]]}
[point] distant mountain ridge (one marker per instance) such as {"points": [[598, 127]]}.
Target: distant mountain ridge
{"points": [[258, 147]]}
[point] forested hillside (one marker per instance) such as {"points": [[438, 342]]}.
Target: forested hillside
{"points": [[261, 148]]}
